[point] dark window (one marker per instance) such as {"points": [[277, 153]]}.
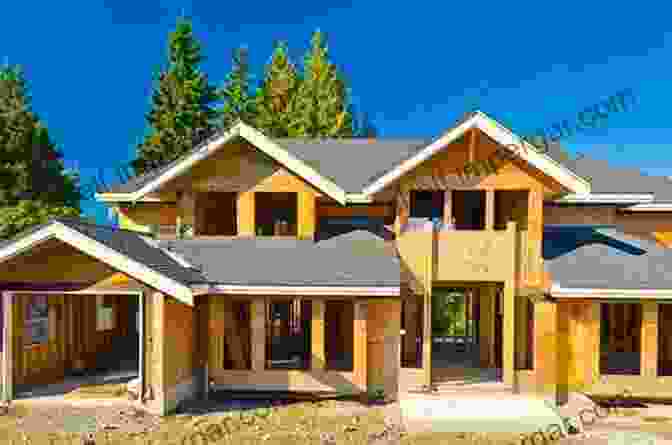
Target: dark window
{"points": [[427, 204], [275, 213]]}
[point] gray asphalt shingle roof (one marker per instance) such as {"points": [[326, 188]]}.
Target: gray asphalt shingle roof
{"points": [[605, 258], [353, 259], [126, 242]]}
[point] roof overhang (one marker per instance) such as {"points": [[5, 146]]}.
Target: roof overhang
{"points": [[650, 207], [373, 291], [254, 137], [101, 252], [558, 291], [607, 198], [502, 136]]}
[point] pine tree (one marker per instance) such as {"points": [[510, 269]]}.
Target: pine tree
{"points": [[321, 104], [34, 185], [274, 100], [182, 113], [238, 102]]}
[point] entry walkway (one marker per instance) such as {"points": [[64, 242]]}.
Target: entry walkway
{"points": [[486, 407]]}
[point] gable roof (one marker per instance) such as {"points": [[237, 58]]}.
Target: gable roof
{"points": [[141, 186], [499, 134], [605, 258], [348, 167], [130, 252]]}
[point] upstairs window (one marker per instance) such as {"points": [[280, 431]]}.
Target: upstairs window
{"points": [[217, 214], [427, 204], [468, 209], [275, 213]]}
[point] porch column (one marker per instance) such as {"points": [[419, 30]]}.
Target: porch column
{"points": [[489, 209], [487, 326], [649, 339], [7, 349], [509, 333], [245, 213], [157, 359], [546, 364], [521, 332], [317, 350], [258, 334], [360, 345], [427, 336], [411, 315]]}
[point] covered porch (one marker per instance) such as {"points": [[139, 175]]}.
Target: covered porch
{"points": [[317, 343]]}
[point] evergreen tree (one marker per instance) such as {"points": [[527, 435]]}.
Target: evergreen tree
{"points": [[182, 113], [321, 105], [274, 100], [238, 102], [34, 185]]}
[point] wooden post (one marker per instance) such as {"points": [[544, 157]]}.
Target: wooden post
{"points": [[258, 333], [158, 351], [487, 326], [473, 137], [521, 332], [306, 215], [7, 349], [448, 206], [360, 345], [411, 314], [546, 364], [649, 339], [245, 213], [427, 329], [403, 210], [489, 209], [317, 349], [187, 210], [508, 334], [535, 228]]}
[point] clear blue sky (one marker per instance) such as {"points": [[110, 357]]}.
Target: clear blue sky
{"points": [[414, 66]]}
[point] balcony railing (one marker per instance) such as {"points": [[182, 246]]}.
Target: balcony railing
{"points": [[437, 252]]}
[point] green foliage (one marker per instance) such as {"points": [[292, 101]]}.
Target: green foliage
{"points": [[181, 115], [275, 98], [321, 102], [238, 102], [448, 314], [34, 185]]}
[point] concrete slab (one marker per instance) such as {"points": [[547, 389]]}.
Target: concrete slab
{"points": [[475, 412]]}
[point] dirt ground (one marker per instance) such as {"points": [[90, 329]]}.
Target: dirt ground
{"points": [[258, 422]]}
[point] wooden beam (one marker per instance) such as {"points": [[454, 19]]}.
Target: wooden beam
{"points": [[7, 349], [258, 334], [489, 209], [649, 339], [427, 326], [360, 345], [448, 206], [508, 334], [306, 215], [487, 326], [317, 347], [245, 213], [473, 135], [546, 364]]}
